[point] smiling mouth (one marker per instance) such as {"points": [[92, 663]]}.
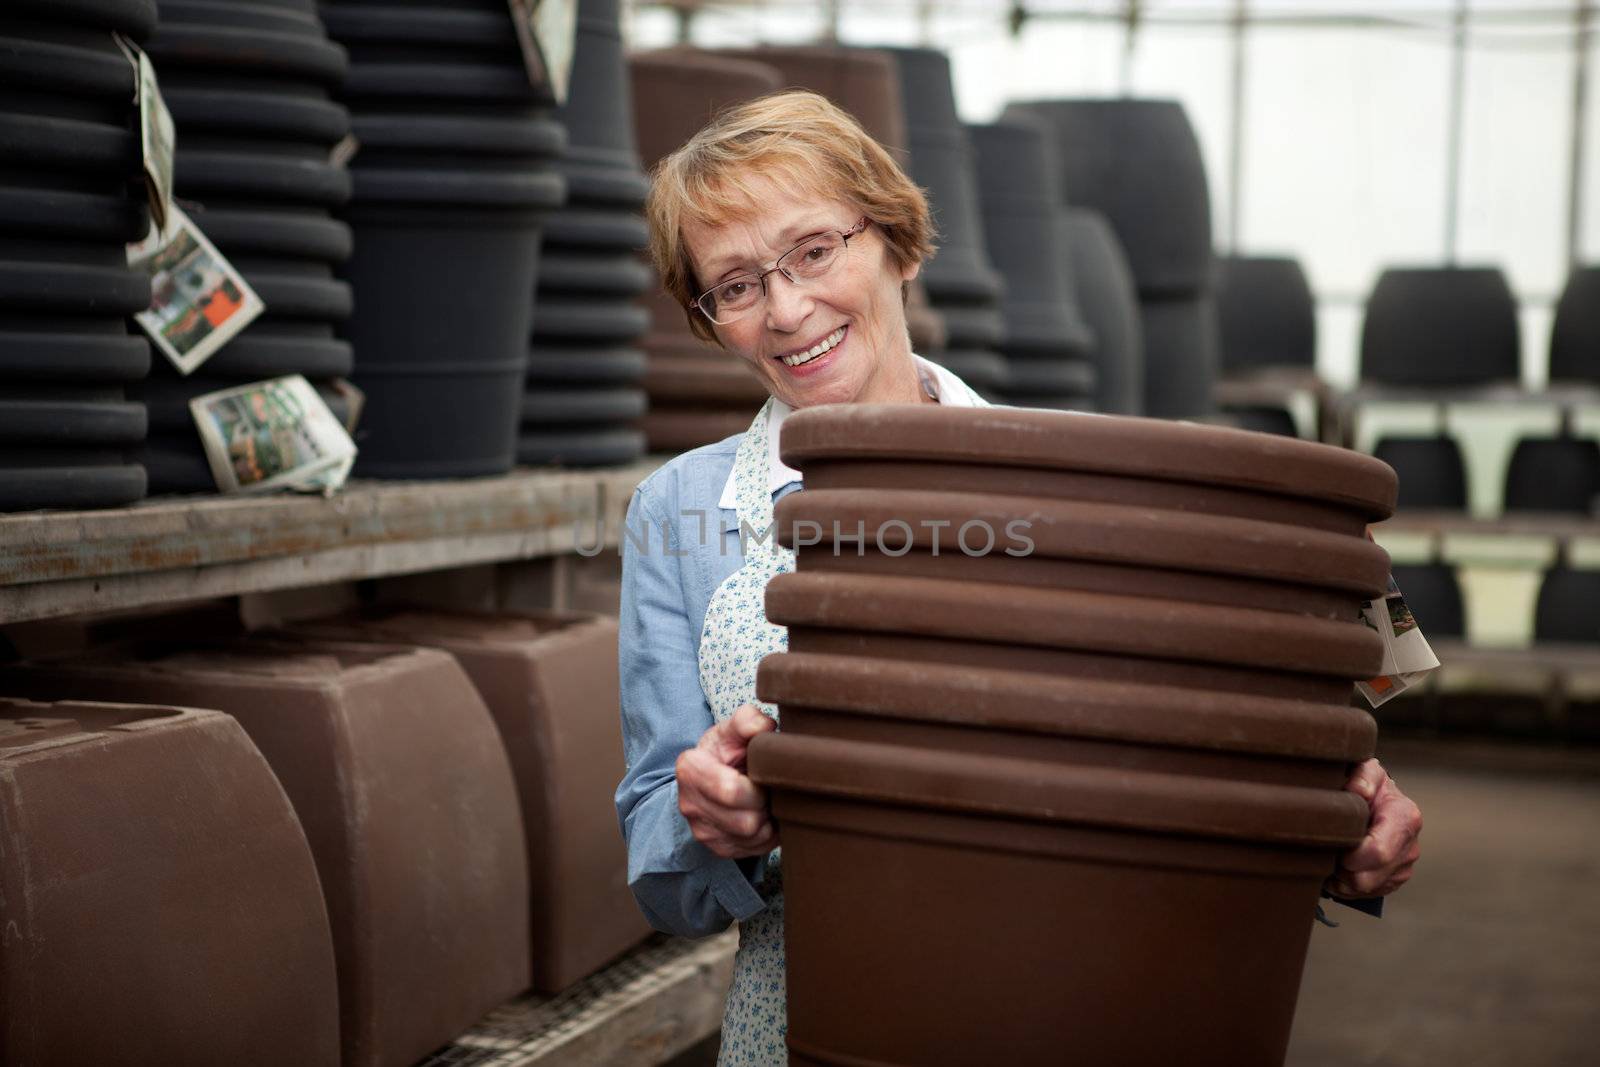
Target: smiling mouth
{"points": [[822, 347]]}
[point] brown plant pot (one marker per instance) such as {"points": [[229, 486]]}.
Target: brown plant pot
{"points": [[706, 377], [1084, 722], [680, 429], [398, 775], [954, 526], [550, 681], [1105, 458], [160, 901], [1143, 917]]}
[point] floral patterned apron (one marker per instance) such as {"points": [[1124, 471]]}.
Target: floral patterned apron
{"points": [[735, 637]]}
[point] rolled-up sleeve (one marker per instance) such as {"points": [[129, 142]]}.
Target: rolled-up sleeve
{"points": [[681, 887]]}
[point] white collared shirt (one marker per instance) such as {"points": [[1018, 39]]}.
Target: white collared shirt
{"points": [[941, 384]]}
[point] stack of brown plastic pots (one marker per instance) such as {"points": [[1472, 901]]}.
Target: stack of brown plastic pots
{"points": [[69, 204], [550, 681], [1074, 780], [698, 392], [866, 84], [250, 91], [584, 370], [398, 775], [159, 899]]}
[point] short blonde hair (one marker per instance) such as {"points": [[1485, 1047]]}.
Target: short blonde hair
{"points": [[805, 143]]}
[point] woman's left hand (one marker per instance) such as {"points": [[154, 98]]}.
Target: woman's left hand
{"points": [[1383, 861]]}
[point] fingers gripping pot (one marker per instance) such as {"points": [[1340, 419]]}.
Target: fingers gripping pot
{"points": [[1135, 733]]}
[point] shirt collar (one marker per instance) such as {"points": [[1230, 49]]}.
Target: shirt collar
{"points": [[940, 383]]}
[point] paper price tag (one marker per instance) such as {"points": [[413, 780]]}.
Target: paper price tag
{"points": [[547, 32], [345, 151], [198, 301], [273, 434], [158, 137]]}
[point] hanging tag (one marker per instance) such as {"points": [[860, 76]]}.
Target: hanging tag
{"points": [[342, 153], [158, 136], [198, 301], [1407, 656], [547, 31], [273, 434]]}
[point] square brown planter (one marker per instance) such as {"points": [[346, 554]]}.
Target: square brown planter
{"points": [[159, 900], [550, 681], [398, 776]]}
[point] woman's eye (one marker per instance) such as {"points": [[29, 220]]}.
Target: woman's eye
{"points": [[733, 291], [817, 252]]}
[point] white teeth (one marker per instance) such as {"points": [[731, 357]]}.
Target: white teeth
{"points": [[815, 350]]}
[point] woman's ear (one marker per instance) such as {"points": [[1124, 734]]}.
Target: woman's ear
{"points": [[910, 271]]}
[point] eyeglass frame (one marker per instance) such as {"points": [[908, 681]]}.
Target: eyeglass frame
{"points": [[761, 275]]}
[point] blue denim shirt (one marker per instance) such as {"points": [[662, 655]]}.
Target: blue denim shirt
{"points": [[678, 546]]}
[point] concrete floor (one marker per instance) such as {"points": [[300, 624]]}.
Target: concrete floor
{"points": [[1491, 954]]}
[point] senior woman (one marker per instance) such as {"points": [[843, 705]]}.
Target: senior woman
{"points": [[788, 235]]}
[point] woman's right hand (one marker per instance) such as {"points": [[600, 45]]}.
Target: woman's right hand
{"points": [[727, 812]]}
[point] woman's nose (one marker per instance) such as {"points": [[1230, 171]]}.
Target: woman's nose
{"points": [[788, 304]]}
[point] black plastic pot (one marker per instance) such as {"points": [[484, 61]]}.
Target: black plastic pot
{"points": [[105, 219], [542, 408], [985, 371], [136, 18], [577, 447], [600, 229], [1266, 312], [580, 271], [252, 113], [238, 50], [1575, 337], [1023, 239], [1430, 469], [1441, 326], [941, 162], [594, 319], [440, 420], [1553, 475], [49, 69], [307, 234], [1180, 355], [1111, 306], [585, 366], [530, 134], [167, 403], [112, 355], [55, 418], [1138, 163], [24, 488], [602, 161], [1049, 377]]}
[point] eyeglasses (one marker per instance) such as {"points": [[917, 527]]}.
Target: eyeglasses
{"points": [[734, 298]]}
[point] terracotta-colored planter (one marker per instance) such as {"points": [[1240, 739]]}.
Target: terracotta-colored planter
{"points": [[1133, 725], [1065, 632], [398, 775], [677, 429], [1307, 566], [1110, 459], [550, 681], [946, 908], [160, 901]]}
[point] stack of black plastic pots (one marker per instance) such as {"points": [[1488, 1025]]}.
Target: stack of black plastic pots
{"points": [[1047, 342], [585, 373], [1138, 162], [962, 284], [249, 87], [1110, 304], [454, 181], [1267, 321], [69, 204]]}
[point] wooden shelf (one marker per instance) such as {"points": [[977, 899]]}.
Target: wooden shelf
{"points": [[55, 563], [643, 1010]]}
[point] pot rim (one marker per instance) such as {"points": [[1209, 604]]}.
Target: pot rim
{"points": [[871, 772], [1126, 445]]}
